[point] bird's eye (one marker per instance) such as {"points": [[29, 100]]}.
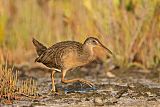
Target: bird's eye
{"points": [[94, 42]]}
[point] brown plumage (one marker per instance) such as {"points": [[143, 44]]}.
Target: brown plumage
{"points": [[66, 55]]}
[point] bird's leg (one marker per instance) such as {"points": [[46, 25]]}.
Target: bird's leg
{"points": [[75, 80], [53, 84], [53, 90]]}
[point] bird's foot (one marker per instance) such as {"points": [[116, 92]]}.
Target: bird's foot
{"points": [[53, 92], [87, 82]]}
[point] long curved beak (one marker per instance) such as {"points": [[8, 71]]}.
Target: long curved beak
{"points": [[108, 51]]}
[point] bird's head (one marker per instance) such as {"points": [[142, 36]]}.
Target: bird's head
{"points": [[96, 47]]}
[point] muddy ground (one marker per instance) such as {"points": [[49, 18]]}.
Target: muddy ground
{"points": [[129, 87]]}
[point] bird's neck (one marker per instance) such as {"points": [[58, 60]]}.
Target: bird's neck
{"points": [[88, 52]]}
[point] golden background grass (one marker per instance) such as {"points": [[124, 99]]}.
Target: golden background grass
{"points": [[130, 28]]}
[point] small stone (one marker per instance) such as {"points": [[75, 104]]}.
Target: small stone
{"points": [[98, 101], [110, 75], [150, 94]]}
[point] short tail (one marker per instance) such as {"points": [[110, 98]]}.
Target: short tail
{"points": [[40, 48]]}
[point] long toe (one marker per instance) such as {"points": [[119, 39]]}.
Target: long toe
{"points": [[91, 84], [88, 83]]}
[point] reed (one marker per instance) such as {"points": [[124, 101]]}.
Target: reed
{"points": [[130, 28], [12, 88]]}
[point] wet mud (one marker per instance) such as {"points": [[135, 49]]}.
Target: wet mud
{"points": [[129, 87]]}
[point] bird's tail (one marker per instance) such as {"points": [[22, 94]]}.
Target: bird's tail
{"points": [[40, 48]]}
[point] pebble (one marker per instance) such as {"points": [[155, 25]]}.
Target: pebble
{"points": [[98, 101]]}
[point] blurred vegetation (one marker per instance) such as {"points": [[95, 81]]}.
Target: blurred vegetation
{"points": [[130, 28]]}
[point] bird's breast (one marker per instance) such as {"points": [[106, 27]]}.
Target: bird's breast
{"points": [[73, 59]]}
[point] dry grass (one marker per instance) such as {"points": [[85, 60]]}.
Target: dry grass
{"points": [[28, 87], [11, 88], [130, 28], [8, 83]]}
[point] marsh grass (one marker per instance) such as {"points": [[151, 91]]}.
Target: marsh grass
{"points": [[11, 88], [8, 83], [28, 87], [130, 28]]}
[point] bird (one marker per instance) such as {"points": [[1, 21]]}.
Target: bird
{"points": [[66, 55]]}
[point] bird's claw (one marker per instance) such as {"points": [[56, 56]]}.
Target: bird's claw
{"points": [[52, 91], [90, 84]]}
